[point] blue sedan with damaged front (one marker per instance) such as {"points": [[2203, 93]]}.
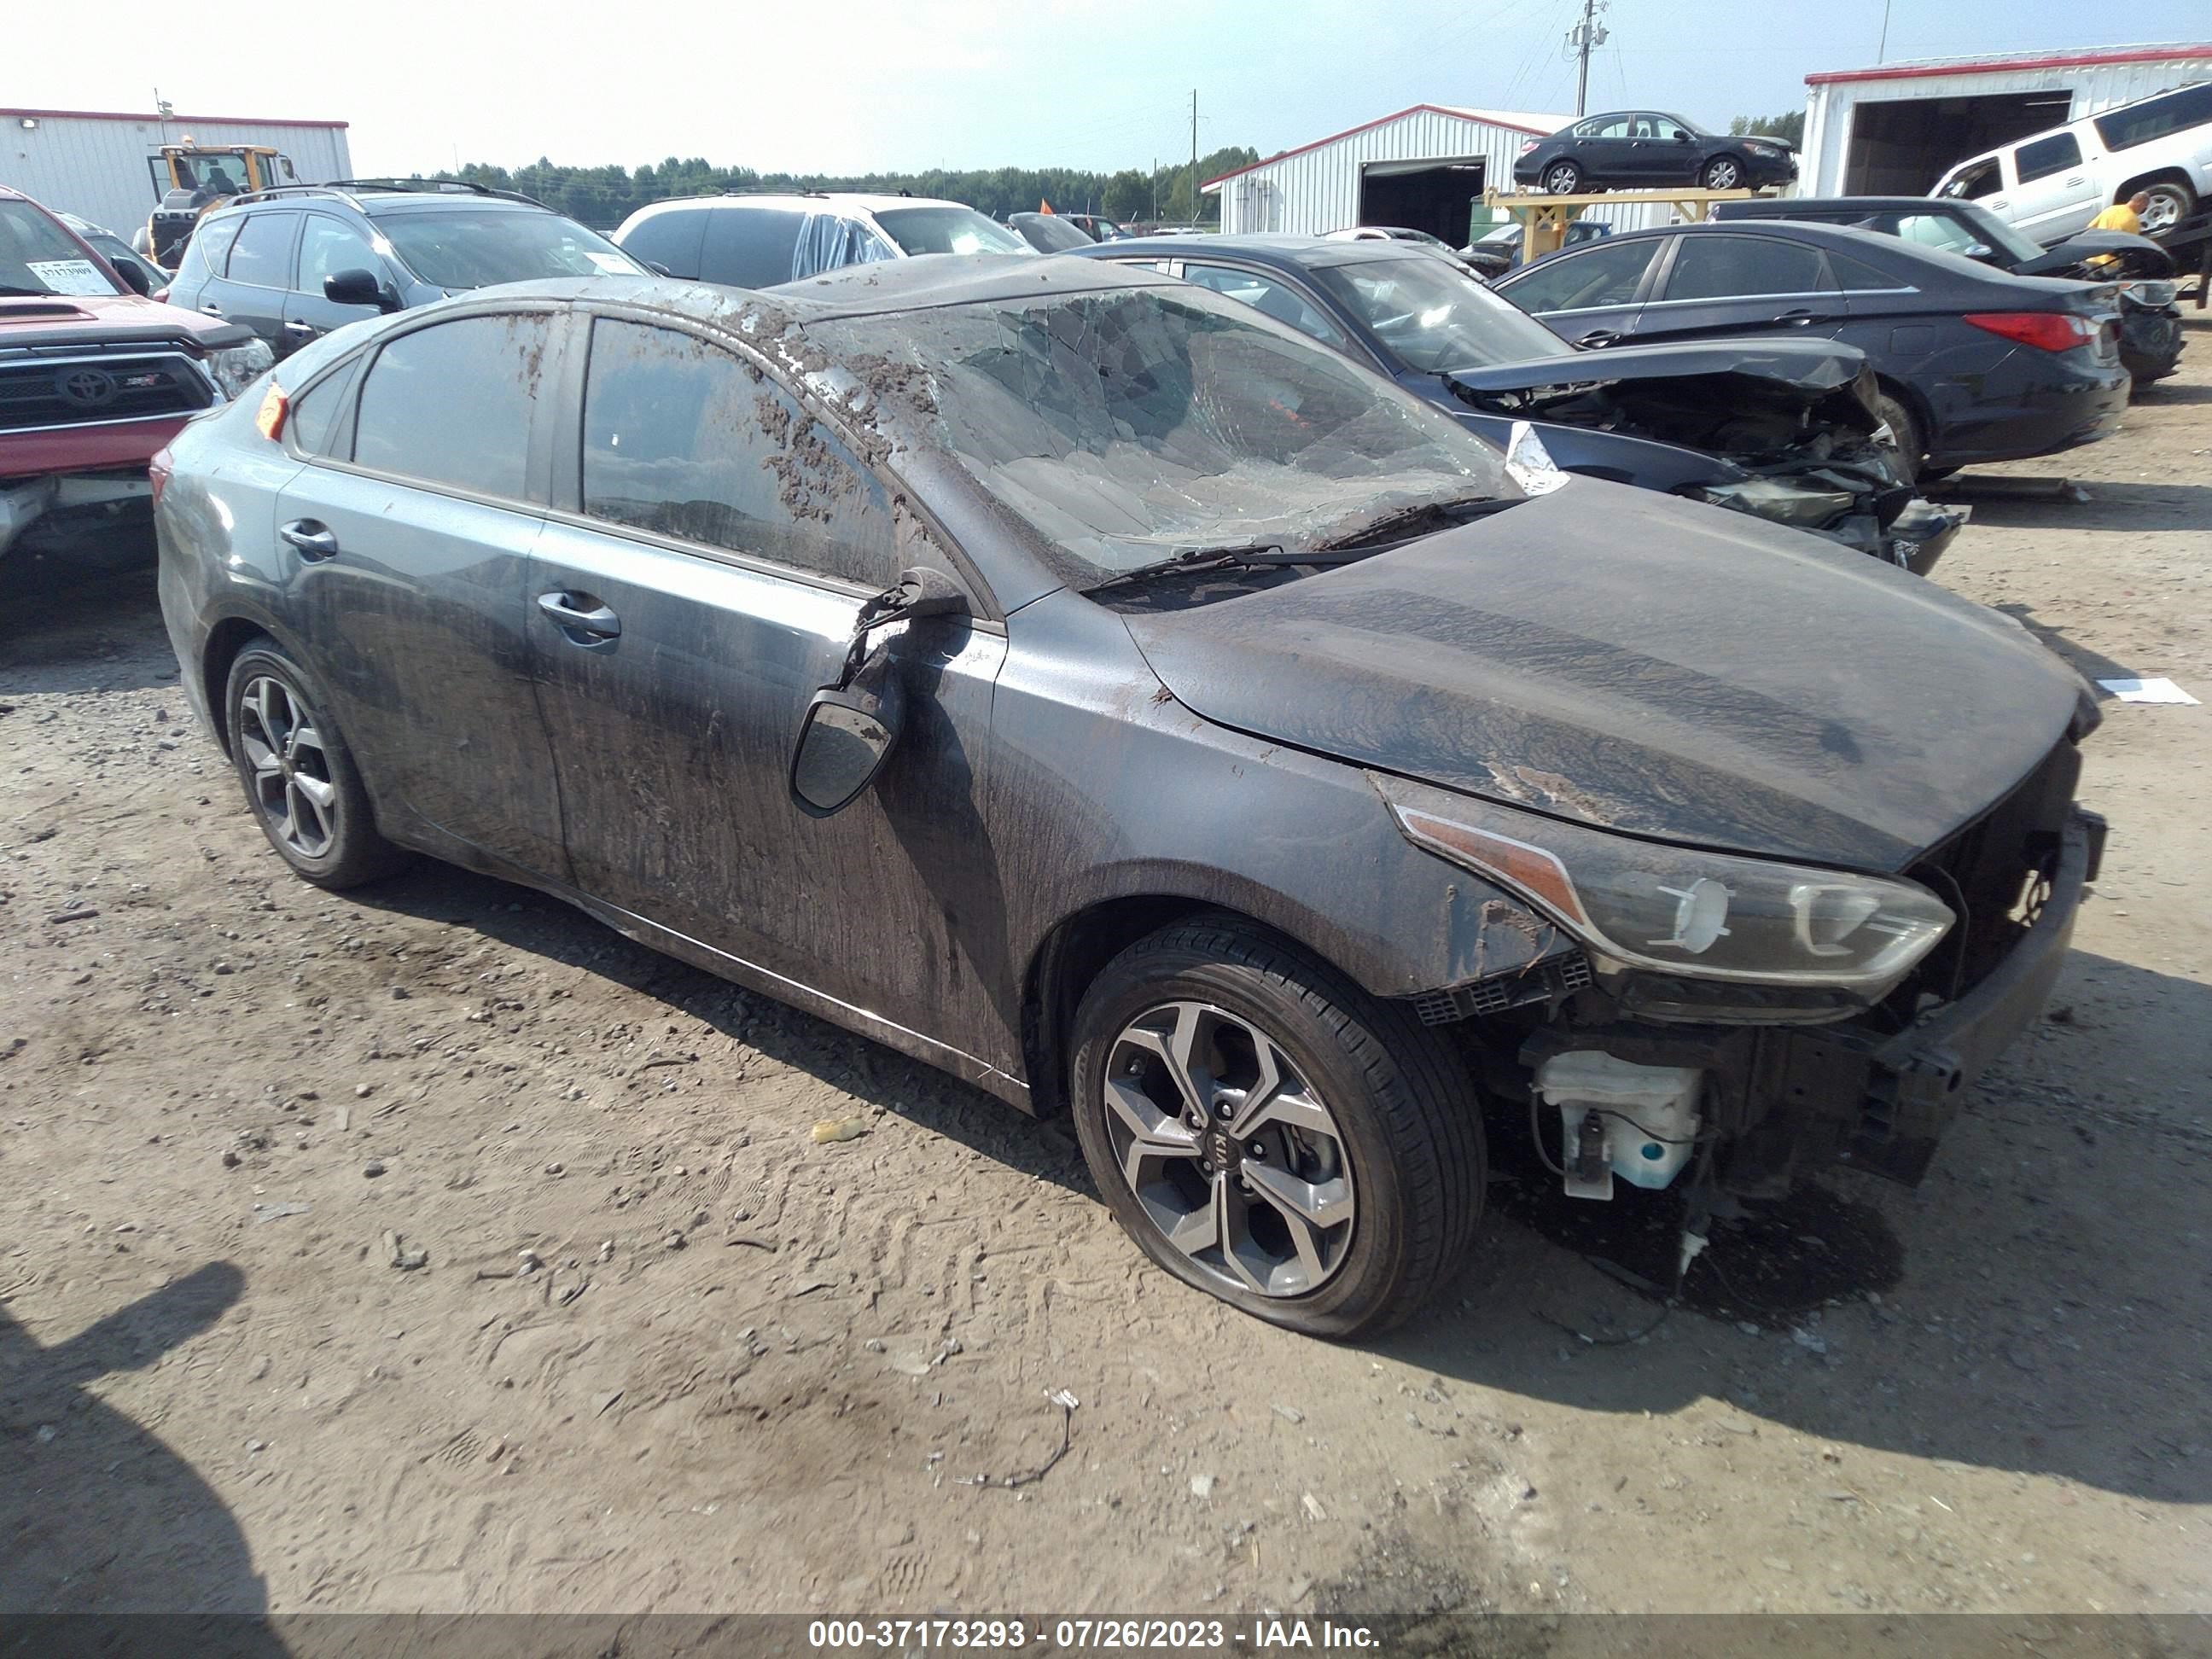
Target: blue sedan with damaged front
{"points": [[1085, 683]]}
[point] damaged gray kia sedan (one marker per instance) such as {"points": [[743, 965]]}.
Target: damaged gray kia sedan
{"points": [[1087, 684]]}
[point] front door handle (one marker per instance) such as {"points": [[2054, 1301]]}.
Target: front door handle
{"points": [[1598, 338], [313, 537], [2076, 180], [1799, 318], [212, 309], [305, 330], [580, 616]]}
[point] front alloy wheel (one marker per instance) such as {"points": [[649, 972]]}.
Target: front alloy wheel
{"points": [[1723, 172], [1229, 1152], [1267, 1131]]}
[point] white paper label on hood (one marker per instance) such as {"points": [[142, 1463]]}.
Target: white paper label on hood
{"points": [[614, 264], [2157, 690], [1530, 464], [70, 275]]}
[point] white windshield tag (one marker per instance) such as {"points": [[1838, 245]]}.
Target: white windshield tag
{"points": [[70, 275]]}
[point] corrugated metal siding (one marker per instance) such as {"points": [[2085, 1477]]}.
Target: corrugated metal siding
{"points": [[97, 169], [2096, 87], [1318, 191]]}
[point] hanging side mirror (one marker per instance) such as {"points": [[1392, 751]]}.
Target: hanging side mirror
{"points": [[851, 728], [360, 287]]}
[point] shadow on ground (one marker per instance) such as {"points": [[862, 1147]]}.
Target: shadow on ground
{"points": [[97, 1515], [2111, 506], [1980, 1371]]}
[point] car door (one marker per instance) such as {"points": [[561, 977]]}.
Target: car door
{"points": [[697, 583], [258, 277], [1670, 152], [2054, 192], [1606, 147], [328, 245], [1729, 283], [409, 542], [1591, 295]]}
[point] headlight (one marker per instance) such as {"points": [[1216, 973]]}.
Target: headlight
{"points": [[1762, 149], [236, 367], [1783, 503], [1699, 916]]}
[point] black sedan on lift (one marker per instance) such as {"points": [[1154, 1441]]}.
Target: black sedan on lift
{"points": [[1644, 149], [1784, 429]]}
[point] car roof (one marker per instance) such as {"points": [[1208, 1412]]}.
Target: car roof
{"points": [[811, 201], [1312, 253], [1784, 204]]}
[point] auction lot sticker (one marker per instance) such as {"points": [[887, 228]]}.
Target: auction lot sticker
{"points": [[70, 275]]}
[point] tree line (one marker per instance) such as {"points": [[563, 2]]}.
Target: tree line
{"points": [[603, 197]]}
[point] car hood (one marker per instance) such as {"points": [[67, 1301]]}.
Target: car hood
{"points": [[110, 319], [1644, 664], [1809, 369], [2087, 244]]}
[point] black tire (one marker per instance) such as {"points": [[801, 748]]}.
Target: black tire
{"points": [[1929, 475], [349, 850], [1408, 1116], [1562, 176], [1722, 173], [1907, 430]]}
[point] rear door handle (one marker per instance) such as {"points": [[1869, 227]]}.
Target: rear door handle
{"points": [[212, 309], [2076, 180], [1799, 318], [580, 616], [305, 331], [313, 538], [1598, 338]]}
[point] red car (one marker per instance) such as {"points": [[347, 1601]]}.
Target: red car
{"points": [[94, 378]]}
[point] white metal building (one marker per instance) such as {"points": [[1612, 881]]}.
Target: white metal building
{"points": [[94, 164], [1896, 129]]}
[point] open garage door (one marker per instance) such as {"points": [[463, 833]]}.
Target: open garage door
{"points": [[1438, 195], [1901, 146]]}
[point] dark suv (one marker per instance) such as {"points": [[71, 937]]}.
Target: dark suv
{"points": [[299, 261]]}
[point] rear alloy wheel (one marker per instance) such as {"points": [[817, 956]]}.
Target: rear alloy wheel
{"points": [[298, 774], [1722, 172], [2171, 202], [1271, 1135], [1563, 178]]}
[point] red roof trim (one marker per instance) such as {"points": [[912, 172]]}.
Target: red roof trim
{"points": [[155, 120], [1369, 127], [1990, 66]]}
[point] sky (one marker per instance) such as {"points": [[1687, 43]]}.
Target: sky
{"points": [[850, 86]]}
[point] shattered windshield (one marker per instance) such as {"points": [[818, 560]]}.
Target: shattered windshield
{"points": [[1130, 425], [1433, 316]]}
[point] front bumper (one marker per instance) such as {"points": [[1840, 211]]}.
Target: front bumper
{"points": [[26, 501], [1909, 1087]]}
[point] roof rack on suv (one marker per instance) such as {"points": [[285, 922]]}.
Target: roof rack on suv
{"points": [[348, 190], [756, 191]]}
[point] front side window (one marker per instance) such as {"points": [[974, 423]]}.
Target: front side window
{"points": [[1432, 318], [1131, 425], [329, 246], [476, 247], [1976, 179], [2157, 117], [1605, 275], [452, 404], [2045, 156], [1266, 294], [262, 255], [948, 230], [683, 439], [1732, 267]]}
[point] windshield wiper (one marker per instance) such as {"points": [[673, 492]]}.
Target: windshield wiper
{"points": [[1436, 515], [1216, 558]]}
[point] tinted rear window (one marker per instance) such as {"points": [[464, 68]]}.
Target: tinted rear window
{"points": [[451, 405], [1725, 267], [751, 247], [669, 238], [2046, 156], [2156, 118]]}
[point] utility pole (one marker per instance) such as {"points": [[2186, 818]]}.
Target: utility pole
{"points": [[1581, 39], [1882, 50], [1193, 155], [1156, 189]]}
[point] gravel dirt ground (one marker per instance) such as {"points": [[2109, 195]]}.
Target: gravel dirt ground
{"points": [[432, 1248]]}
